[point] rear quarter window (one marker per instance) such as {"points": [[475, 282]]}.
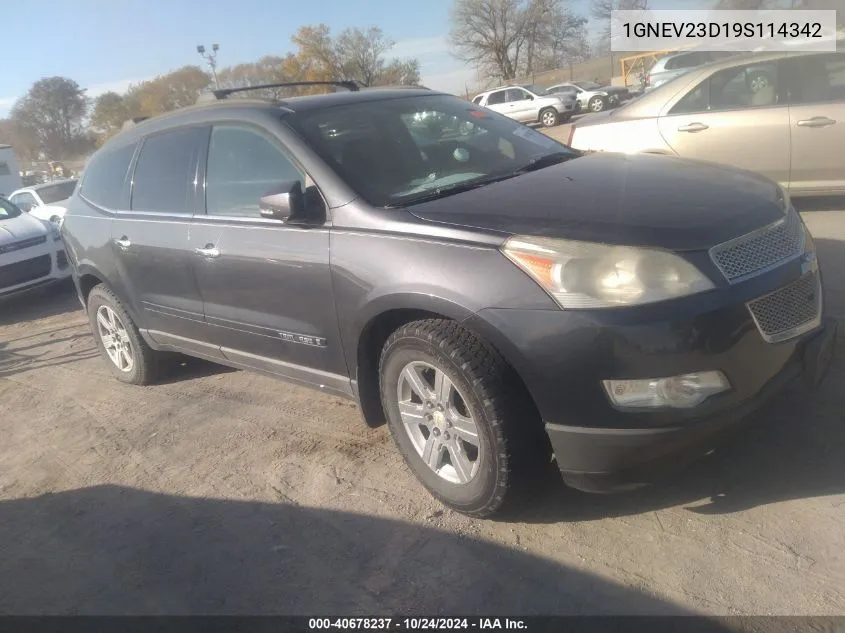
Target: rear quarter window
{"points": [[165, 172], [105, 179]]}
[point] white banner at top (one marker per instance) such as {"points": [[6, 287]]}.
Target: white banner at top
{"points": [[721, 30]]}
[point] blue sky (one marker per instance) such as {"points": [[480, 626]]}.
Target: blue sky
{"points": [[107, 44]]}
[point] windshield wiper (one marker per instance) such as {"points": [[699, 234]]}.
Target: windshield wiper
{"points": [[448, 190], [546, 160]]}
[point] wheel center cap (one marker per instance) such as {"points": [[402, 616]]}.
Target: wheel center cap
{"points": [[439, 420]]}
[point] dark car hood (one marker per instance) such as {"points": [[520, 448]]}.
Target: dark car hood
{"points": [[643, 200]]}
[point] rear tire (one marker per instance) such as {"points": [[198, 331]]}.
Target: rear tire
{"points": [[549, 117], [127, 355], [473, 474]]}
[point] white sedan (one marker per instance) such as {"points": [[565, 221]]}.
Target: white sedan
{"points": [[32, 253], [47, 201]]}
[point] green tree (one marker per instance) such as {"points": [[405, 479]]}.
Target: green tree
{"points": [[167, 92], [53, 112], [267, 70], [109, 114], [24, 142]]}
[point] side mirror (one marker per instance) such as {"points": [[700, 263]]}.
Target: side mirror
{"points": [[284, 202]]}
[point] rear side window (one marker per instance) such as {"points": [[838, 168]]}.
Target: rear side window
{"points": [[751, 86], [817, 79], [244, 165], [165, 172], [517, 94], [496, 97], [105, 177]]}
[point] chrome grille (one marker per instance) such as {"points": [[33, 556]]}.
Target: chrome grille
{"points": [[761, 249], [789, 311]]}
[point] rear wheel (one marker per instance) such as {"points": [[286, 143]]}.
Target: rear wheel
{"points": [[449, 404], [127, 355], [549, 117]]}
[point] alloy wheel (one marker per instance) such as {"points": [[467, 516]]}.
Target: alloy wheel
{"points": [[115, 339], [438, 422], [548, 119]]}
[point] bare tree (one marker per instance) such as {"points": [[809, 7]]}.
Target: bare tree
{"points": [[602, 11], [506, 38], [354, 54]]}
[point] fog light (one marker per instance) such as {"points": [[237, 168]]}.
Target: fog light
{"points": [[678, 392]]}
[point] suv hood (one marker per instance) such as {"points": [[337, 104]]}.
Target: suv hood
{"points": [[637, 200], [23, 227]]}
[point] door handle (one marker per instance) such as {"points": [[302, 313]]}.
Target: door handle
{"points": [[123, 242], [209, 251], [693, 127], [816, 121]]}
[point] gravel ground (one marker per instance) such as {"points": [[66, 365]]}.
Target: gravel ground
{"points": [[221, 491]]}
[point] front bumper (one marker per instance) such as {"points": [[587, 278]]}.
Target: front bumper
{"points": [[33, 268], [608, 460], [563, 357], [567, 108]]}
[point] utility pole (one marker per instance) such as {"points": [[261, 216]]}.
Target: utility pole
{"points": [[211, 60]]}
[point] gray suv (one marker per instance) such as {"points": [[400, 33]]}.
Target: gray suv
{"points": [[492, 295]]}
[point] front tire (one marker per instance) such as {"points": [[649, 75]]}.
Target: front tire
{"points": [[127, 355], [449, 400], [549, 117], [596, 104]]}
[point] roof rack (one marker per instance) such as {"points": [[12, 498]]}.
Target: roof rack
{"points": [[398, 87], [222, 93]]}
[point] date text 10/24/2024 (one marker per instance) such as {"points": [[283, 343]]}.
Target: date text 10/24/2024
{"points": [[416, 624]]}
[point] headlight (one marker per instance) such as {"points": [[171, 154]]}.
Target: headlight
{"points": [[677, 392], [588, 275]]}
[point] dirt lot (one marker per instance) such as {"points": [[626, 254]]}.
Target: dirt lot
{"points": [[226, 492]]}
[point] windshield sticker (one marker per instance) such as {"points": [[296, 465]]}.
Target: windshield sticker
{"points": [[534, 137]]}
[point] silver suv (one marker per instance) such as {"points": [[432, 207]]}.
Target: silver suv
{"points": [[528, 104]]}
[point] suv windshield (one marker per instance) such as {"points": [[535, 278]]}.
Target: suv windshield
{"points": [[50, 194], [396, 152], [8, 210]]}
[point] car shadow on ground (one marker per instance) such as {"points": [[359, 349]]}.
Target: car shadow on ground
{"points": [[790, 449], [53, 300], [115, 550]]}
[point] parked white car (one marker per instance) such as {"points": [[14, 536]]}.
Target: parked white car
{"points": [[528, 104], [32, 252], [47, 201]]}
